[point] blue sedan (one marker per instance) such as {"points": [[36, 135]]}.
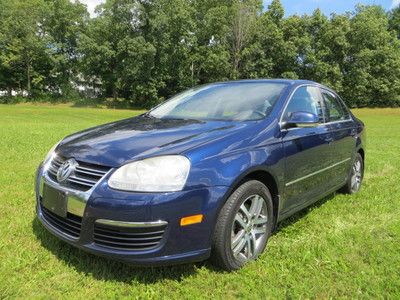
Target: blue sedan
{"points": [[206, 174]]}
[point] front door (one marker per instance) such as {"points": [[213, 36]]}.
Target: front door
{"points": [[306, 151]]}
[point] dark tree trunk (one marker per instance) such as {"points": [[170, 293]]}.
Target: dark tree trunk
{"points": [[114, 93]]}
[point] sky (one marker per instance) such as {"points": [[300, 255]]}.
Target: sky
{"points": [[329, 6], [303, 6], [91, 4]]}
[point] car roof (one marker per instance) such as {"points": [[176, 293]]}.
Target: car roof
{"points": [[291, 82], [285, 81]]}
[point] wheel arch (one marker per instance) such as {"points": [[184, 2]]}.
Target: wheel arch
{"points": [[362, 153], [270, 182], [264, 176]]}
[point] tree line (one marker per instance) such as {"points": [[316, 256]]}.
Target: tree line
{"points": [[140, 52]]}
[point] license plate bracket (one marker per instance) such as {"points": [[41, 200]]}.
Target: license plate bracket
{"points": [[54, 200]]}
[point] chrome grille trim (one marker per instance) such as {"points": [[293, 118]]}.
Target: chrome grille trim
{"points": [[52, 171], [89, 171], [77, 181], [85, 176], [57, 160], [91, 182], [131, 224], [100, 236], [98, 172]]}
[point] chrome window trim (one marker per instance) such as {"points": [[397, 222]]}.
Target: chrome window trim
{"points": [[320, 125], [338, 122], [131, 224], [317, 172]]}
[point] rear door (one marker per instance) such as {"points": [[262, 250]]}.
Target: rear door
{"points": [[341, 126], [306, 151]]}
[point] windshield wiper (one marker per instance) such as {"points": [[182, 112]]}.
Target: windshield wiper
{"points": [[149, 115]]}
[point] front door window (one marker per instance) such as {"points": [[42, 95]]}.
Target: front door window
{"points": [[305, 99]]}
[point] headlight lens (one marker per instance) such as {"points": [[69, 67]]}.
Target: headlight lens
{"points": [[157, 174]]}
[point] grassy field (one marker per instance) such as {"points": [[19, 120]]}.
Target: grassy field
{"points": [[343, 246]]}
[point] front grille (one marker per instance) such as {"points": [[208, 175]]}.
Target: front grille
{"points": [[70, 225], [83, 178], [128, 239]]}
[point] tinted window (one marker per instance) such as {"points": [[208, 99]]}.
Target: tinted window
{"points": [[333, 108], [305, 99], [223, 101]]}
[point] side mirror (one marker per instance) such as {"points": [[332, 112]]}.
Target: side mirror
{"points": [[302, 119]]}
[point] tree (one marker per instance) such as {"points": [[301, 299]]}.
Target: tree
{"points": [[211, 56], [276, 11], [264, 55], [140, 52], [7, 81], [373, 64], [394, 20], [114, 51], [297, 46], [244, 17], [172, 33], [328, 46], [64, 22], [24, 55]]}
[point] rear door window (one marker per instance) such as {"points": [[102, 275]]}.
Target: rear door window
{"points": [[334, 111]]}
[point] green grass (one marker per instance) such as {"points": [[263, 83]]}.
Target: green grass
{"points": [[343, 246]]}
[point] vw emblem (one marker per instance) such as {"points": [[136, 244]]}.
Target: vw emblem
{"points": [[66, 169]]}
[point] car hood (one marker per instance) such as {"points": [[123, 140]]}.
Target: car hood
{"points": [[116, 143]]}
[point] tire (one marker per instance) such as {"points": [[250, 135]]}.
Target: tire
{"points": [[356, 176], [237, 230]]}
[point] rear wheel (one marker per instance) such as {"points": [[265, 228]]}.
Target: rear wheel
{"points": [[354, 181], [243, 227]]}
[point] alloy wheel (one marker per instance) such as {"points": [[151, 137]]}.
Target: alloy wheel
{"points": [[356, 175], [249, 229]]}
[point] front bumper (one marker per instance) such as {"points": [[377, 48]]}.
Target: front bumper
{"points": [[177, 244]]}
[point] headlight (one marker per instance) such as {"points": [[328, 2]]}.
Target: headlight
{"points": [[157, 174]]}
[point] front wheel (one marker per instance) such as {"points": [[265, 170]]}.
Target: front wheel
{"points": [[354, 181], [243, 227]]}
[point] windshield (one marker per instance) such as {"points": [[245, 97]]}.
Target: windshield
{"points": [[241, 101]]}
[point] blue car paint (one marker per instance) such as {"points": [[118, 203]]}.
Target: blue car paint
{"points": [[222, 154]]}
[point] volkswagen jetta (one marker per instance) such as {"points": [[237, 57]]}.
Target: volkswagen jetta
{"points": [[208, 173]]}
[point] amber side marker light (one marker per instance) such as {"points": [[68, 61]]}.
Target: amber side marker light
{"points": [[191, 220]]}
